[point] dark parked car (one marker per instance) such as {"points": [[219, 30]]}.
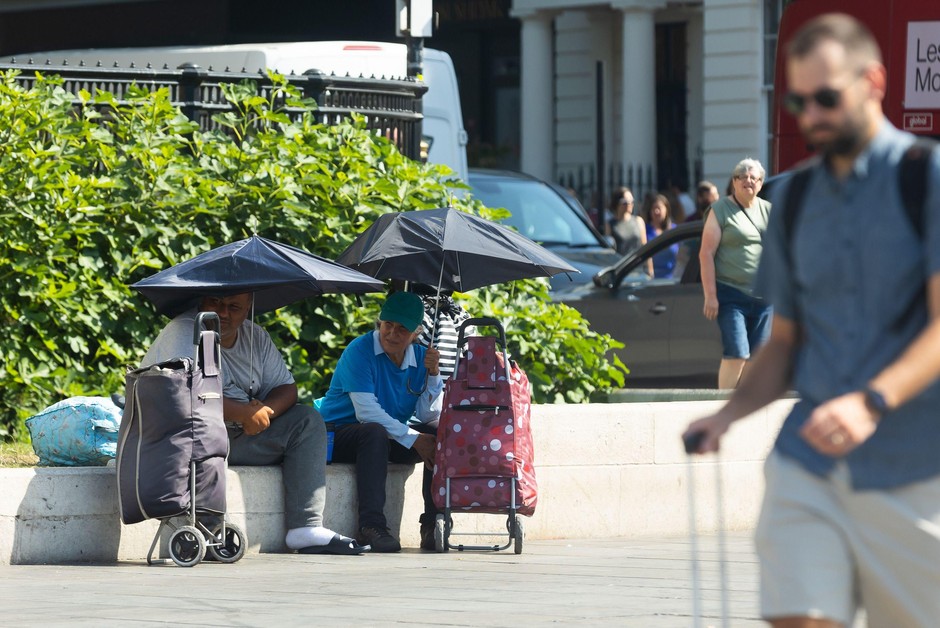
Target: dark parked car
{"points": [[669, 342], [542, 213]]}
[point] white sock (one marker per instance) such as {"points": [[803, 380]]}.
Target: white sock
{"points": [[308, 536]]}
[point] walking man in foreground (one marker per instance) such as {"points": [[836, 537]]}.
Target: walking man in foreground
{"points": [[851, 515]]}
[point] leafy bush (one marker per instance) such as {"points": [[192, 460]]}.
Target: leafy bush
{"points": [[97, 197]]}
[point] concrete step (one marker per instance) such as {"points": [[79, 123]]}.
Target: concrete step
{"points": [[604, 470]]}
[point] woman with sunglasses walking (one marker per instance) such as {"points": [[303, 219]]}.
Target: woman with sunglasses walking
{"points": [[383, 405], [732, 242]]}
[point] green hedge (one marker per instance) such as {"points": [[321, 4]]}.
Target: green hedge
{"points": [[97, 197]]}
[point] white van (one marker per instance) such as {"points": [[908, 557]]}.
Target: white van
{"points": [[443, 121]]}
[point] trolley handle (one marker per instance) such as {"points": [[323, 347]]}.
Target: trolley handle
{"points": [[206, 337], [693, 441], [483, 321], [203, 321]]}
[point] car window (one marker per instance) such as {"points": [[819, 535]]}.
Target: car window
{"points": [[686, 269], [637, 274], [538, 212]]}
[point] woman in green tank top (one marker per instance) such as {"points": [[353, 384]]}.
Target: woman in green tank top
{"points": [[731, 249]]}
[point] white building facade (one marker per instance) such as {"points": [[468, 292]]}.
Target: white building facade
{"points": [[595, 76]]}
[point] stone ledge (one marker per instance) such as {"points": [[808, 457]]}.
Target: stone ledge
{"points": [[603, 470]]}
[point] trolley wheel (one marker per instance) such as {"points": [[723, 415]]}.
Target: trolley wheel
{"points": [[439, 534], [518, 532], [231, 548], [187, 546]]}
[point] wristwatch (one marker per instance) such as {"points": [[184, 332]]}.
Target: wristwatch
{"points": [[875, 401]]}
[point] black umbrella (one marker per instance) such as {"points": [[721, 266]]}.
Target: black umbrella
{"points": [[450, 249], [277, 275]]}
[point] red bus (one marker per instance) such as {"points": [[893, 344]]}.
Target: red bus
{"points": [[908, 32]]}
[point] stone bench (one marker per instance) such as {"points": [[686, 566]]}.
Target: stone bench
{"points": [[604, 470]]}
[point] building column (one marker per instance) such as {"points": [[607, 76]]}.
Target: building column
{"points": [[638, 68], [537, 97]]}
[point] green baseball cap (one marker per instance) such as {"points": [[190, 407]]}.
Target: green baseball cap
{"points": [[404, 308]]}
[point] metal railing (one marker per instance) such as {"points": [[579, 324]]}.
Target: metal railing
{"points": [[391, 108], [584, 181]]}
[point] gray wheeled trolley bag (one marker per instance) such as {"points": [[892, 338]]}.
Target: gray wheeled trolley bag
{"points": [[172, 450]]}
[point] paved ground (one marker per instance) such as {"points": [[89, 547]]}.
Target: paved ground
{"points": [[616, 582]]}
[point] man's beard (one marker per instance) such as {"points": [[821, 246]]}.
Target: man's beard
{"points": [[845, 141]]}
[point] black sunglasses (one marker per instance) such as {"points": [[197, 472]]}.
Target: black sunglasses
{"points": [[827, 98]]}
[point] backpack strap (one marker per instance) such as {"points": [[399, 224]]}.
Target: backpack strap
{"points": [[912, 181], [793, 205]]}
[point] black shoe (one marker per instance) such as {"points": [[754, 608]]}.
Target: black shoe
{"points": [[341, 545], [427, 537], [427, 533], [380, 539]]}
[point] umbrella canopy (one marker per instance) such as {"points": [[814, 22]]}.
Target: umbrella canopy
{"points": [[450, 249], [276, 273]]}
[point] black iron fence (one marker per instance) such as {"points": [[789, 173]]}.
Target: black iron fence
{"points": [[390, 107], [595, 193]]}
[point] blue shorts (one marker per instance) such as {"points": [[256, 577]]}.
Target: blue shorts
{"points": [[744, 322]]}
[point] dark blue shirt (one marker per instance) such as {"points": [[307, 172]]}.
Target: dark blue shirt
{"points": [[858, 265]]}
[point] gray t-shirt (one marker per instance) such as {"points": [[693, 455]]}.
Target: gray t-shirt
{"points": [[627, 234], [252, 368]]}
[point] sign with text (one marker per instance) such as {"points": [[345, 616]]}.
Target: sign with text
{"points": [[922, 80], [918, 122]]}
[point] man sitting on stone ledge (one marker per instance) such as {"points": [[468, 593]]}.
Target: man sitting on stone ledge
{"points": [[266, 425], [382, 381]]}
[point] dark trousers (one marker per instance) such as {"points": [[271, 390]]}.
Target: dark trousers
{"points": [[368, 446]]}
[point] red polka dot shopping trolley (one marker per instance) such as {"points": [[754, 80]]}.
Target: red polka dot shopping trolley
{"points": [[484, 461]]}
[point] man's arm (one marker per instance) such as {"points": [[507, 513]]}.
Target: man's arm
{"points": [[845, 422], [431, 401], [919, 365], [765, 380], [256, 415], [368, 410]]}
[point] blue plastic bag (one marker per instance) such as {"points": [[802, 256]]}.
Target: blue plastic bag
{"points": [[76, 432]]}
